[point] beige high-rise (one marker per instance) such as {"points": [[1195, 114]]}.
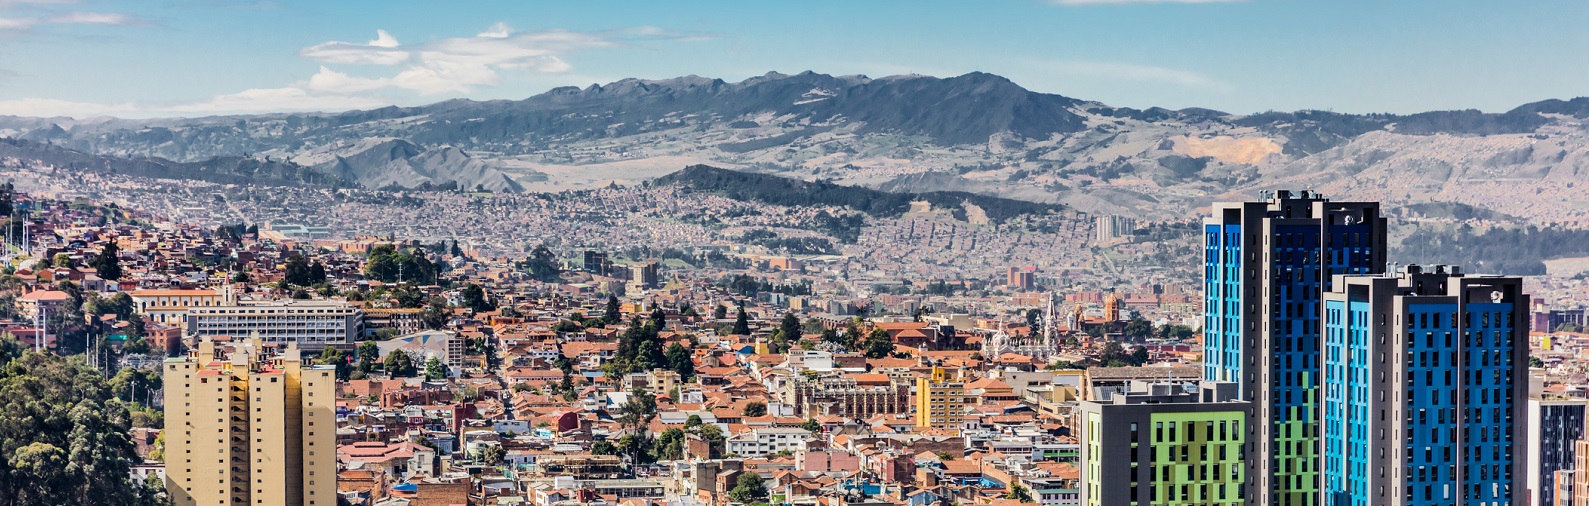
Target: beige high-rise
{"points": [[247, 428]]}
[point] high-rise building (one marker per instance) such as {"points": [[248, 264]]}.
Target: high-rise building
{"points": [[1425, 378], [251, 428], [1162, 444], [1265, 265], [311, 324], [596, 262], [1554, 427], [940, 402], [1018, 278]]}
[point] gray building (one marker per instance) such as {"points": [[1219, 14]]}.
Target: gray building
{"points": [[1161, 443], [1553, 426], [313, 324]]}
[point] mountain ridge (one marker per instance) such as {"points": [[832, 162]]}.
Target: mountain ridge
{"points": [[897, 132]]}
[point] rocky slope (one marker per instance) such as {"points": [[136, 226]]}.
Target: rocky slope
{"points": [[977, 132]]}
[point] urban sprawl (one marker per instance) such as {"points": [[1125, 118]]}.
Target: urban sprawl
{"points": [[309, 347]]}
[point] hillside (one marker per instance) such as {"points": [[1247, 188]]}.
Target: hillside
{"points": [[978, 133], [223, 170], [782, 191]]}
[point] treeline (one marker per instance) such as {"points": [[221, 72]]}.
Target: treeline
{"points": [[782, 191], [1511, 251]]}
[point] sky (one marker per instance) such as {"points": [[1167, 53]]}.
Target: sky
{"points": [[155, 58]]}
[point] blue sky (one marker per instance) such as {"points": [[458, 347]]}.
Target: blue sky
{"points": [[200, 57]]}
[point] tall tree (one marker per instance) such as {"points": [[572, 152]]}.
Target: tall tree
{"points": [[297, 270], [475, 298], [542, 264], [613, 314], [879, 344], [680, 360], [107, 265], [434, 370], [317, 273], [755, 408], [748, 488], [741, 323]]}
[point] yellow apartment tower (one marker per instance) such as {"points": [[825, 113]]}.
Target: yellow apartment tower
{"points": [[940, 403], [248, 428]]}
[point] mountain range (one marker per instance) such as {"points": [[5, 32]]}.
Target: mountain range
{"points": [[977, 132]]}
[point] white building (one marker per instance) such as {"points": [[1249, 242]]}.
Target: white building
{"points": [[313, 324], [760, 442]]}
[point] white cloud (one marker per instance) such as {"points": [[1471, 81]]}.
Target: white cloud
{"points": [[1124, 2], [331, 81], [46, 107], [93, 18], [1133, 72], [70, 18], [17, 23], [444, 66], [273, 100], [498, 30], [459, 64]]}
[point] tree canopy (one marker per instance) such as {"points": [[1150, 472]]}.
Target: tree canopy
{"points": [[64, 436]]}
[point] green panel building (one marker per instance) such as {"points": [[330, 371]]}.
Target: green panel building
{"points": [[1163, 444]]}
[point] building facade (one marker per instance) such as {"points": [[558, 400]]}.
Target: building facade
{"points": [[171, 306], [1554, 426], [1425, 375], [251, 428], [940, 403], [845, 397], [1265, 265], [1162, 444], [311, 324]]}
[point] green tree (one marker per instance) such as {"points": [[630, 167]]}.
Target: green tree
{"points": [[720, 312], [741, 323], [1019, 493], [62, 260], [297, 270], [474, 298], [811, 425], [317, 273], [748, 488], [63, 434], [603, 448], [436, 314], [1138, 329], [399, 365], [681, 361], [755, 409], [107, 265], [1534, 362], [789, 330], [434, 370], [613, 314], [670, 444], [639, 409], [493, 455], [334, 357], [659, 318], [879, 344], [542, 264]]}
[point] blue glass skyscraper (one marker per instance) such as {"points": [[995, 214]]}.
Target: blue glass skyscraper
{"points": [[1266, 264], [1425, 389]]}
